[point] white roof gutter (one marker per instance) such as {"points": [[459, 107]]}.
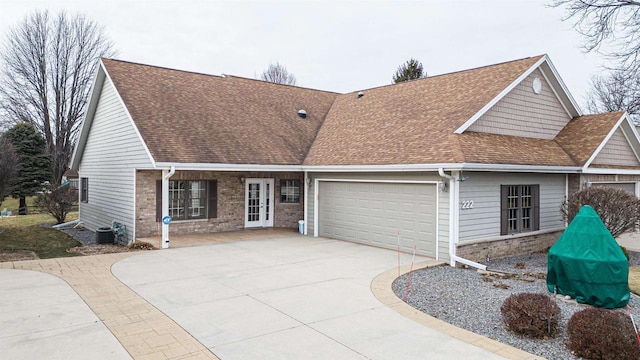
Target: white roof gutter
{"points": [[370, 168]]}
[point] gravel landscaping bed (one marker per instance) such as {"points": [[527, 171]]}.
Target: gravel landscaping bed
{"points": [[83, 235], [90, 245], [462, 298]]}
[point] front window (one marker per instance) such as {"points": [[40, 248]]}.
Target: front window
{"points": [[290, 191], [520, 210], [187, 199]]}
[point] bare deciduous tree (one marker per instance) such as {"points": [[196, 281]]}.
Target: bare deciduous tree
{"points": [[619, 210], [8, 167], [58, 200], [617, 91], [410, 70], [278, 73], [48, 66], [615, 23]]}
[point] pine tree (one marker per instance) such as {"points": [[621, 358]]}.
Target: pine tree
{"points": [[34, 163], [410, 70]]}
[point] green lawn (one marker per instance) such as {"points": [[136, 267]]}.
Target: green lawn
{"points": [[26, 232]]}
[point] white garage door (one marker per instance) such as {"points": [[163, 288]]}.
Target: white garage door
{"points": [[373, 213]]}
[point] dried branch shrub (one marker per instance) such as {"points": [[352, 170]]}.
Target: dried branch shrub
{"points": [[618, 209], [58, 201], [533, 315], [602, 334]]}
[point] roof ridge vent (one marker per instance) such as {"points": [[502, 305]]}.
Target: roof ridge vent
{"points": [[302, 113]]}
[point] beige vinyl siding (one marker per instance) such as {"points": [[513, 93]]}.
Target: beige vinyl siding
{"points": [[524, 113], [617, 151], [443, 197], [113, 151], [483, 221]]}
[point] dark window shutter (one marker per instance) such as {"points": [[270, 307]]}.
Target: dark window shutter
{"points": [[158, 200], [535, 192], [503, 209], [212, 193]]}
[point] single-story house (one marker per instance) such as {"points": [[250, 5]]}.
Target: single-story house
{"points": [[463, 166]]}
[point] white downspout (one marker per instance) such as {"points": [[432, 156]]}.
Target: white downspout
{"points": [[454, 221], [166, 174], [306, 200]]}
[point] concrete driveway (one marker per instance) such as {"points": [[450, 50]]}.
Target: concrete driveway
{"points": [[43, 318], [286, 298]]}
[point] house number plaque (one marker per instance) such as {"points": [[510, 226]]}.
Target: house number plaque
{"points": [[467, 204]]}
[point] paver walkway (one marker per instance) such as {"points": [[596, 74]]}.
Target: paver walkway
{"points": [[144, 331]]}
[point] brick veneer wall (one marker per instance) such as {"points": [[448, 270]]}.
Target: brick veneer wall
{"points": [[574, 183], [501, 248], [231, 202]]}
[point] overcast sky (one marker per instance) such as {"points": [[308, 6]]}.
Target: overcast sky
{"points": [[340, 46]]}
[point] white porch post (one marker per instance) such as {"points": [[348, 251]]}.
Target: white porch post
{"points": [[166, 174]]}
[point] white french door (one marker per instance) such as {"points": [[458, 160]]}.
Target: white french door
{"points": [[258, 203]]}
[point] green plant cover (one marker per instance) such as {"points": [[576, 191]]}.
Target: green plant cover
{"points": [[587, 263]]}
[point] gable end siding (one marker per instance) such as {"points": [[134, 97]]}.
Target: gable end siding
{"points": [[112, 153], [524, 113], [617, 151]]}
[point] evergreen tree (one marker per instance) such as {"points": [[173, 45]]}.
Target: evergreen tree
{"points": [[410, 70], [8, 167], [34, 163]]}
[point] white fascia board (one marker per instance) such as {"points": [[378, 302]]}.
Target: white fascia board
{"points": [[382, 168], [126, 110], [499, 97], [521, 168], [444, 166], [89, 112], [367, 168], [611, 171], [226, 167], [604, 142]]}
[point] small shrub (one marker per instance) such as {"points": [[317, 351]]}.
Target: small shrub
{"points": [[58, 201], [618, 209], [141, 245], [602, 334], [519, 265], [534, 315]]}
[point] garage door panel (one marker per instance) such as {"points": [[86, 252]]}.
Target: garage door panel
{"points": [[372, 213]]}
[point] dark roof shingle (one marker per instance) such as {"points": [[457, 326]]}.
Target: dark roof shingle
{"points": [[582, 135]]}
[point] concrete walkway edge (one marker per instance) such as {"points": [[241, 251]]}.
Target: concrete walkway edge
{"points": [[381, 288]]}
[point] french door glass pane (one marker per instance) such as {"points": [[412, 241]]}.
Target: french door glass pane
{"points": [[267, 201], [253, 211]]}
